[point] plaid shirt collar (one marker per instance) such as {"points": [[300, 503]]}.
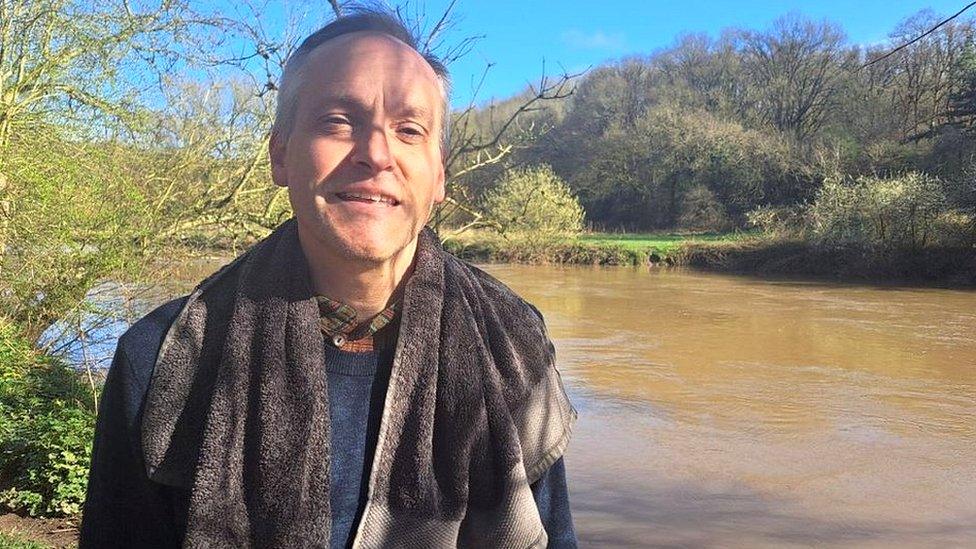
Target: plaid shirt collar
{"points": [[338, 322]]}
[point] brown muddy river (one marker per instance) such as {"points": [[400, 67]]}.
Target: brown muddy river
{"points": [[718, 411]]}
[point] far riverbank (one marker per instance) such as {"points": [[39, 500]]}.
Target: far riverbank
{"points": [[739, 253]]}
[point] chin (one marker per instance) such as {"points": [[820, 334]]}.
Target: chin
{"points": [[368, 247], [364, 252], [359, 242]]}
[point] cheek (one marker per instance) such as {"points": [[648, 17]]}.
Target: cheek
{"points": [[315, 159], [424, 176]]}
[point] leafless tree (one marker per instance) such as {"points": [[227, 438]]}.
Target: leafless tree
{"points": [[795, 70]]}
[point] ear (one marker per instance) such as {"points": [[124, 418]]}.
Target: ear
{"points": [[276, 152], [440, 191]]}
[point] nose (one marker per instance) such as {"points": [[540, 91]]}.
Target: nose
{"points": [[373, 150]]}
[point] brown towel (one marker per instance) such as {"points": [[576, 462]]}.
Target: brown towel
{"points": [[237, 410]]}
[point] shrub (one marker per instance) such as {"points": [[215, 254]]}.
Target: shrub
{"points": [[47, 421], [835, 216], [534, 204], [900, 212], [956, 228], [783, 221]]}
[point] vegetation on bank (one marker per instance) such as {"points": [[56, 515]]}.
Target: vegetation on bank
{"points": [[584, 248], [47, 420], [11, 541], [865, 161], [740, 253], [700, 134], [897, 228], [949, 267]]}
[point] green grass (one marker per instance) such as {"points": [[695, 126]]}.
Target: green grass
{"points": [[661, 242], [10, 541], [589, 248]]}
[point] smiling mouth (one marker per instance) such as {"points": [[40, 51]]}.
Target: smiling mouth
{"points": [[368, 198]]}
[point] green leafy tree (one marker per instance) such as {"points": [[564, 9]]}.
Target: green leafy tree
{"points": [[534, 203], [73, 217]]}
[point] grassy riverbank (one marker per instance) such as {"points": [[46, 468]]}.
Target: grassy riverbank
{"points": [[742, 253], [586, 249], [940, 266]]}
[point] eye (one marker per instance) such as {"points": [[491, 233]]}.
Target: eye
{"points": [[411, 132], [335, 122]]}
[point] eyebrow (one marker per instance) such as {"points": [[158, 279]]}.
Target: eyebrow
{"points": [[342, 100], [417, 111], [353, 104]]}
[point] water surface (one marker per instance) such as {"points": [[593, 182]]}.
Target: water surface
{"points": [[720, 411]]}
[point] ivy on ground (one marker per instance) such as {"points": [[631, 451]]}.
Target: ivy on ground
{"points": [[47, 421]]}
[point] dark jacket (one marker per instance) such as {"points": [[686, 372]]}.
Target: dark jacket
{"points": [[126, 509]]}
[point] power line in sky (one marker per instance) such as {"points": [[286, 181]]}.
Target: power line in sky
{"points": [[919, 37]]}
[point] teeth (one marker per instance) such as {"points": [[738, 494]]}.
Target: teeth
{"points": [[370, 197]]}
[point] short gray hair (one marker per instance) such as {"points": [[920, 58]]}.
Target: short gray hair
{"points": [[359, 18]]}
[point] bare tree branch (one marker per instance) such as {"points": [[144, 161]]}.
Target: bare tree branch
{"points": [[335, 7], [919, 37], [438, 27]]}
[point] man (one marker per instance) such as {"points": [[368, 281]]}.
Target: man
{"points": [[345, 382]]}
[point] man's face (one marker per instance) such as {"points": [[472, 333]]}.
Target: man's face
{"points": [[363, 161]]}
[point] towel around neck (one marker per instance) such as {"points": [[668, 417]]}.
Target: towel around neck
{"points": [[237, 410]]}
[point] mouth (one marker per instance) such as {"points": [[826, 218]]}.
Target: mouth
{"points": [[379, 199]]}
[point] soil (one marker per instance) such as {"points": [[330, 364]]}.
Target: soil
{"points": [[58, 533]]}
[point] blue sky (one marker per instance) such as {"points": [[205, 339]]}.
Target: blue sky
{"points": [[518, 36], [574, 35]]}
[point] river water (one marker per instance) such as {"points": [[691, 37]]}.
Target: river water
{"points": [[719, 411]]}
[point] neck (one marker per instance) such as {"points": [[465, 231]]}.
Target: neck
{"points": [[366, 286]]}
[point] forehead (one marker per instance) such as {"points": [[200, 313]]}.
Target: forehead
{"points": [[363, 64]]}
